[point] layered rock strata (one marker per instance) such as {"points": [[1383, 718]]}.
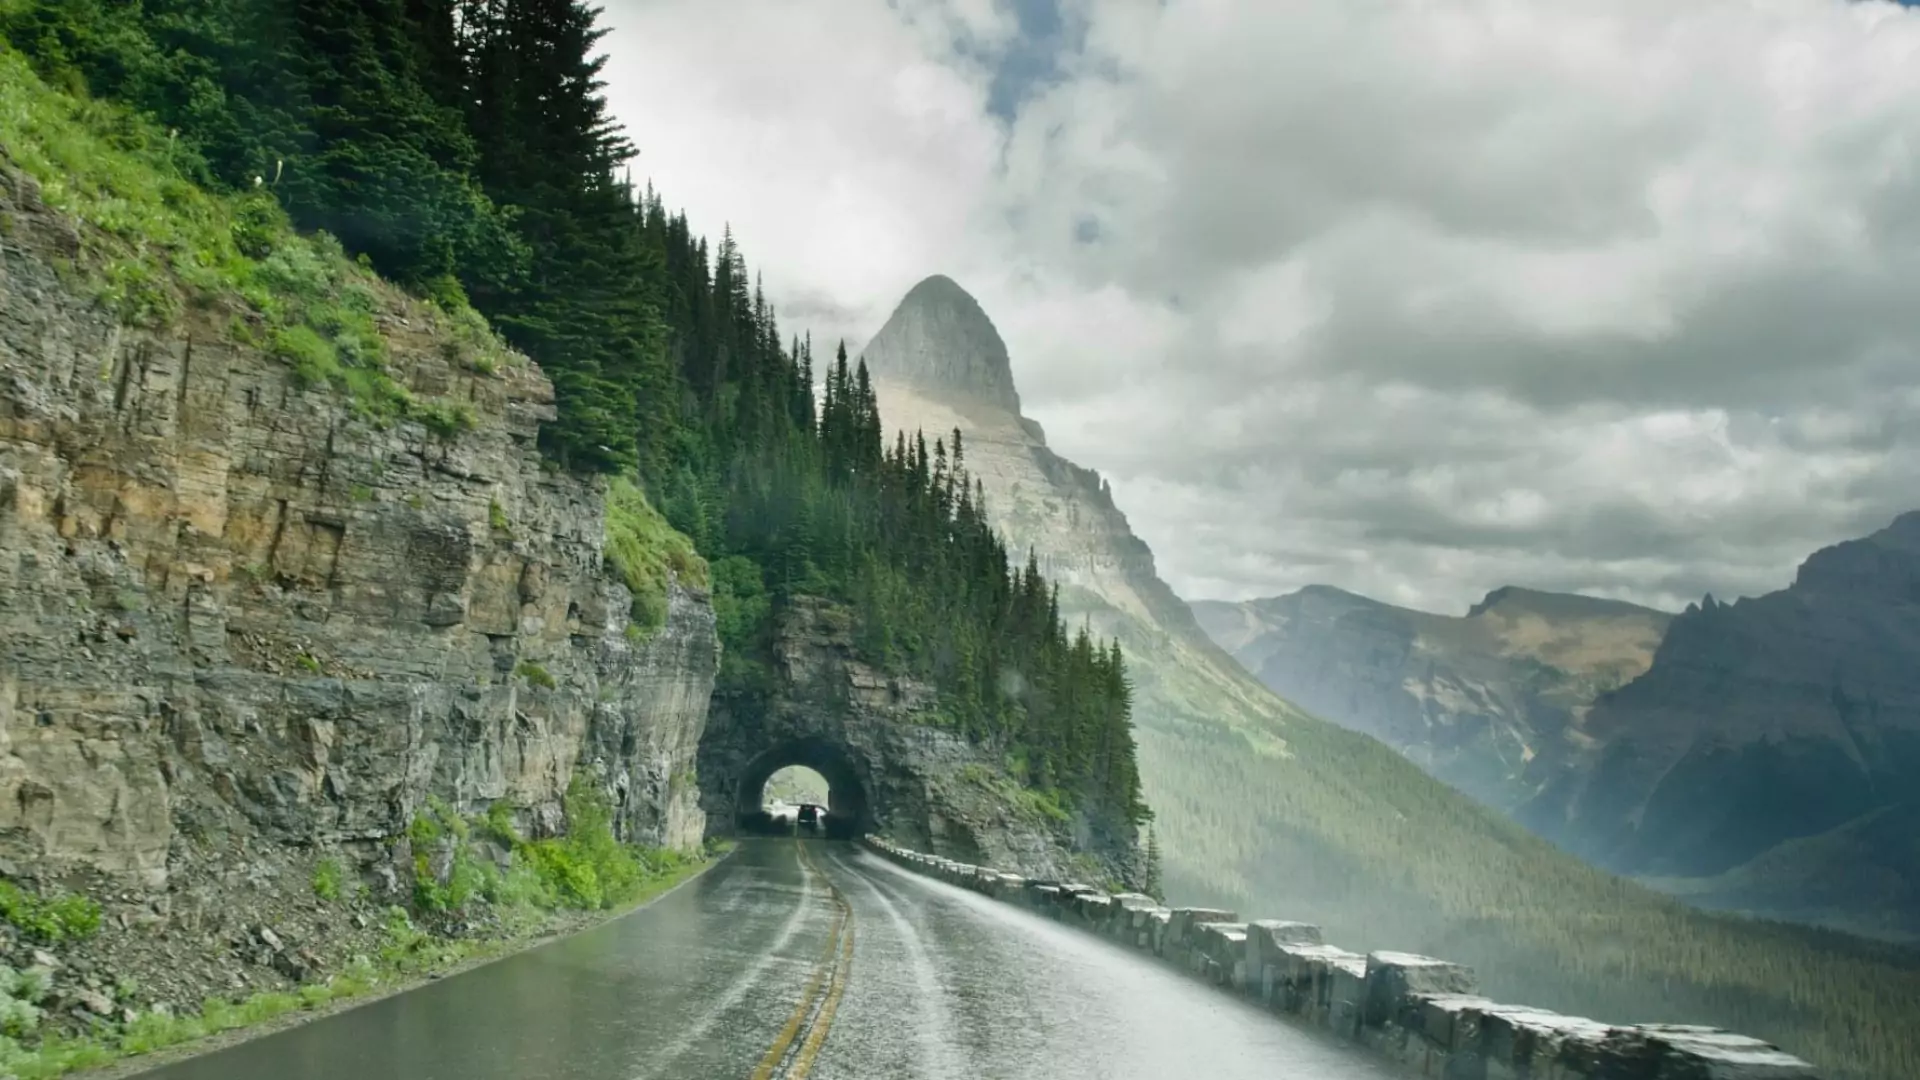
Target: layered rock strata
{"points": [[1416, 1010], [243, 625]]}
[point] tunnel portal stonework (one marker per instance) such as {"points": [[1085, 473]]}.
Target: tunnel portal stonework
{"points": [[889, 770], [847, 779]]}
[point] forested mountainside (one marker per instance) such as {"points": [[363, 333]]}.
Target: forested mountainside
{"points": [[1492, 702], [462, 149], [1266, 809]]}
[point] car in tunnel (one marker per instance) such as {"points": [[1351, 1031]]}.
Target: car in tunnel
{"points": [[809, 816]]}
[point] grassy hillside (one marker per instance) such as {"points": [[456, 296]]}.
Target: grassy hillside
{"points": [[158, 250]]}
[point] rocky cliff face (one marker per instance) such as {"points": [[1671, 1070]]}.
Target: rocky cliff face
{"points": [[1771, 754], [891, 769], [241, 624], [1482, 701], [941, 344]]}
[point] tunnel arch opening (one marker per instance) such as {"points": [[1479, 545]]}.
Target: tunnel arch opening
{"points": [[847, 813], [796, 785]]}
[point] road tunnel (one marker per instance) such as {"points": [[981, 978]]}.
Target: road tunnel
{"points": [[848, 814]]}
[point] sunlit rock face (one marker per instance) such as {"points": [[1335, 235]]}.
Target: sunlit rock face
{"points": [[1489, 701], [940, 343]]}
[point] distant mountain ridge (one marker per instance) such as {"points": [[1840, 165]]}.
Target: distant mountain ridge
{"points": [[1482, 701], [1761, 756], [1769, 760]]}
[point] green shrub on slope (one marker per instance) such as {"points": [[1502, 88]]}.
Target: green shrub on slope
{"points": [[644, 550], [157, 248], [49, 920]]}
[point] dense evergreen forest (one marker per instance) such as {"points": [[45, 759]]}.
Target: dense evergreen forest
{"points": [[464, 150]]}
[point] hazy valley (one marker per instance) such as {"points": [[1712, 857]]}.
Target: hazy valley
{"points": [[1490, 702], [1754, 757]]}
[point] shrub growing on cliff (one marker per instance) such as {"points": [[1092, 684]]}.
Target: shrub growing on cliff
{"points": [[521, 886], [435, 831], [137, 293], [442, 418], [50, 920], [535, 675], [158, 243], [644, 551], [497, 824], [588, 868], [20, 995], [329, 879]]}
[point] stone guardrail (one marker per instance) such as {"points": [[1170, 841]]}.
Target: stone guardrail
{"points": [[1416, 1010]]}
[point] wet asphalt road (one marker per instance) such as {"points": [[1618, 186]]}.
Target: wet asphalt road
{"points": [[802, 959]]}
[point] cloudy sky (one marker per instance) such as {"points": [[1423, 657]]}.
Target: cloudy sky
{"points": [[1413, 297]]}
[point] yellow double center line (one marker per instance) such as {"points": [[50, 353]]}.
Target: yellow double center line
{"points": [[825, 970]]}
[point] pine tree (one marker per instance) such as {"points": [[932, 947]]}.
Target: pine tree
{"points": [[326, 103], [586, 310], [1151, 886]]}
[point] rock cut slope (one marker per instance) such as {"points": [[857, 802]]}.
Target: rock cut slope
{"points": [[251, 635]]}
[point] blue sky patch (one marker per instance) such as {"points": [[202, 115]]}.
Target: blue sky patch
{"points": [[1032, 60]]}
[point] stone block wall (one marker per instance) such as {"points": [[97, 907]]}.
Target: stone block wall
{"points": [[1417, 1010]]}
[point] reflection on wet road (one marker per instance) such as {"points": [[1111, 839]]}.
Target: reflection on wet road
{"points": [[802, 959]]}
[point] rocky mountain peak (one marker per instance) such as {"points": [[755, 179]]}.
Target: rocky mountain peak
{"points": [[1883, 566], [1487, 701], [1505, 594], [940, 341], [1318, 598], [1517, 600]]}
